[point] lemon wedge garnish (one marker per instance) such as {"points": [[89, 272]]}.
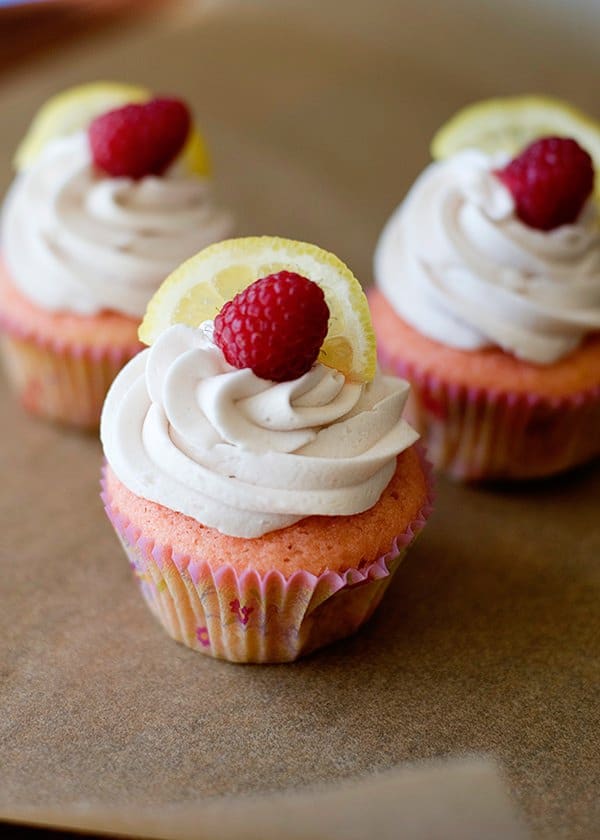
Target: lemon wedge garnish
{"points": [[74, 109], [508, 125], [196, 291]]}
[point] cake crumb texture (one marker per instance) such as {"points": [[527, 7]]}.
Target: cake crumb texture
{"points": [[106, 329], [314, 544], [487, 368]]}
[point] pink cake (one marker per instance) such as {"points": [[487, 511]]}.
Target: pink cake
{"points": [[92, 224], [62, 364], [487, 301], [277, 597], [485, 413], [263, 498]]}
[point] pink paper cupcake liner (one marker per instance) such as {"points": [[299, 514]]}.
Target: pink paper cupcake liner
{"points": [[252, 617], [62, 381], [476, 433]]}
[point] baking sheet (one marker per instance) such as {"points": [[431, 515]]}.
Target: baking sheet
{"points": [[487, 641]]}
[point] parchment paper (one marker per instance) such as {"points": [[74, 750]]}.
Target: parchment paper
{"points": [[319, 115]]}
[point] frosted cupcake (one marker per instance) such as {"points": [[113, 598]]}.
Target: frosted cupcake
{"points": [[263, 497], [109, 198], [488, 301]]}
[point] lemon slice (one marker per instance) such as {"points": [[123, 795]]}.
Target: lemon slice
{"points": [[508, 125], [197, 290], [75, 108]]}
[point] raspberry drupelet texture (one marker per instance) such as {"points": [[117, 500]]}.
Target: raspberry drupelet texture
{"points": [[276, 326], [550, 182], [140, 139]]}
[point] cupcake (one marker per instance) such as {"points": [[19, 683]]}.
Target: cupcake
{"points": [[258, 470], [487, 300], [112, 192]]}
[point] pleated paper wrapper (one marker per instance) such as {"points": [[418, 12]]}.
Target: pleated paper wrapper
{"points": [[251, 617], [59, 380], [475, 433]]}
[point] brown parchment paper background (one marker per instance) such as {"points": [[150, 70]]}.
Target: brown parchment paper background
{"points": [[319, 116]]}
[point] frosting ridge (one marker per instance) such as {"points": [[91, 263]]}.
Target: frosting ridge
{"points": [[456, 263], [79, 241], [244, 455]]}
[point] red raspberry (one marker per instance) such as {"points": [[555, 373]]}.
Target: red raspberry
{"points": [[139, 140], [276, 326], [550, 182]]}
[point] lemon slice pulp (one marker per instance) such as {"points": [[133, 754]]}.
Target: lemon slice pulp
{"points": [[75, 108], [509, 124], [197, 290]]}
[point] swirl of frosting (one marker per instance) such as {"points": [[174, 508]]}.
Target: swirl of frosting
{"points": [[244, 455], [455, 262], [78, 241]]}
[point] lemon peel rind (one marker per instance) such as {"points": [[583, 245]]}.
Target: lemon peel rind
{"points": [[55, 118], [532, 116], [54, 109], [309, 260], [559, 114]]}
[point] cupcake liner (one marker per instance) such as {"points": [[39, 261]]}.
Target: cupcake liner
{"points": [[59, 380], [481, 433], [252, 617]]}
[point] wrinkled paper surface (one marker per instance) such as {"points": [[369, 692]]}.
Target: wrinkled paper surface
{"points": [[487, 641]]}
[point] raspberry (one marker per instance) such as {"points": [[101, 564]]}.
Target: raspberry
{"points": [[138, 140], [550, 182], [276, 326]]}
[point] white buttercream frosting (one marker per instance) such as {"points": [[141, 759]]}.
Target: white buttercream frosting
{"points": [[79, 241], [245, 455], [455, 262]]}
